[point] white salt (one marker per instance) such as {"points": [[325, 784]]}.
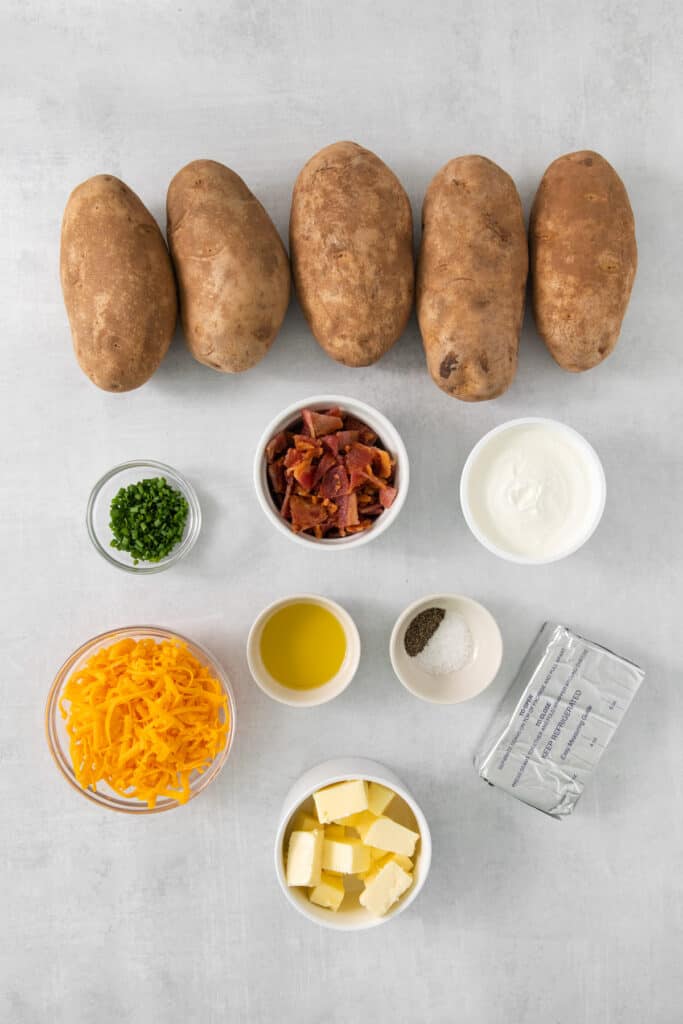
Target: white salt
{"points": [[449, 648]]}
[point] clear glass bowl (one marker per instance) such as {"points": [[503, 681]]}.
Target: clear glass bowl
{"points": [[98, 513], [58, 738]]}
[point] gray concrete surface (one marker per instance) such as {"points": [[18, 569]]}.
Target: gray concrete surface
{"points": [[110, 920]]}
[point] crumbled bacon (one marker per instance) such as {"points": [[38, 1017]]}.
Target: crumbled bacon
{"points": [[329, 475], [276, 445], [316, 423], [387, 496]]}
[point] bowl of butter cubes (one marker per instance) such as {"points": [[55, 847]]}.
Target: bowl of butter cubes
{"points": [[353, 848]]}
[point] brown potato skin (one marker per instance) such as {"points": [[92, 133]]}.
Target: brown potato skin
{"points": [[471, 278], [118, 284], [583, 258], [232, 268], [351, 244]]}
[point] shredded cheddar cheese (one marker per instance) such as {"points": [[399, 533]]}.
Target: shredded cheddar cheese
{"points": [[142, 717]]}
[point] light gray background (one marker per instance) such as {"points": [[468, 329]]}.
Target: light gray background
{"points": [[178, 918]]}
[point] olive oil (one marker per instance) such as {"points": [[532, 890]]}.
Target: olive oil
{"points": [[303, 645]]}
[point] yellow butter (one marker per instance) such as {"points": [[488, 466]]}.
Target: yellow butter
{"points": [[335, 832], [304, 822], [341, 800], [388, 835], [304, 857], [354, 820], [348, 856], [379, 797], [378, 863], [385, 888], [328, 893]]}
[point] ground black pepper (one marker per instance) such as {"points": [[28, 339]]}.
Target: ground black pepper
{"points": [[422, 629]]}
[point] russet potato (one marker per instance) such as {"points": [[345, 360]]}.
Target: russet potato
{"points": [[583, 258], [118, 284], [232, 268], [471, 279], [351, 245]]}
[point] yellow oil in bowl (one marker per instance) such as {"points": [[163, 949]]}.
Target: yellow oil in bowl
{"points": [[303, 645]]}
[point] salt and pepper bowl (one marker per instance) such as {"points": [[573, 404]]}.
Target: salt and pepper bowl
{"points": [[480, 668]]}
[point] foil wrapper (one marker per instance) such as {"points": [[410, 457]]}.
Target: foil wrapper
{"points": [[557, 719]]}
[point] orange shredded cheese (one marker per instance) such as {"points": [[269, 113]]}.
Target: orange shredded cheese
{"points": [[143, 716]]}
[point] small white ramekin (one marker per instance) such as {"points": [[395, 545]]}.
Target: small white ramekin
{"points": [[592, 461], [321, 694], [388, 435], [326, 774], [464, 683]]}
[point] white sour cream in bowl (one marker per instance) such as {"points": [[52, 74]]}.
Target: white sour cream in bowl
{"points": [[532, 490]]}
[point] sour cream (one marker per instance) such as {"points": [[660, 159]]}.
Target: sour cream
{"points": [[532, 490]]}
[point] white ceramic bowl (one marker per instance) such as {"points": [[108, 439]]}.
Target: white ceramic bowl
{"points": [[388, 435], [597, 482], [466, 682], [321, 694], [341, 770]]}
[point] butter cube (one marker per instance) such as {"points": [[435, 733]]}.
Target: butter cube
{"points": [[335, 832], [329, 892], [346, 856], [340, 800], [379, 797], [384, 858], [402, 861], [304, 857], [360, 818], [304, 822], [389, 835], [385, 888]]}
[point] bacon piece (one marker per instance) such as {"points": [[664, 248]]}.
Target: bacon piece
{"points": [[284, 508], [335, 483], [359, 457], [304, 473], [276, 445], [326, 463], [387, 496], [306, 514], [306, 444], [292, 457], [331, 441], [276, 475], [382, 462], [364, 524], [351, 517], [367, 435], [346, 438], [318, 423]]}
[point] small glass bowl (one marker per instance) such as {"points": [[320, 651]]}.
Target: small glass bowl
{"points": [[98, 513], [58, 738]]}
